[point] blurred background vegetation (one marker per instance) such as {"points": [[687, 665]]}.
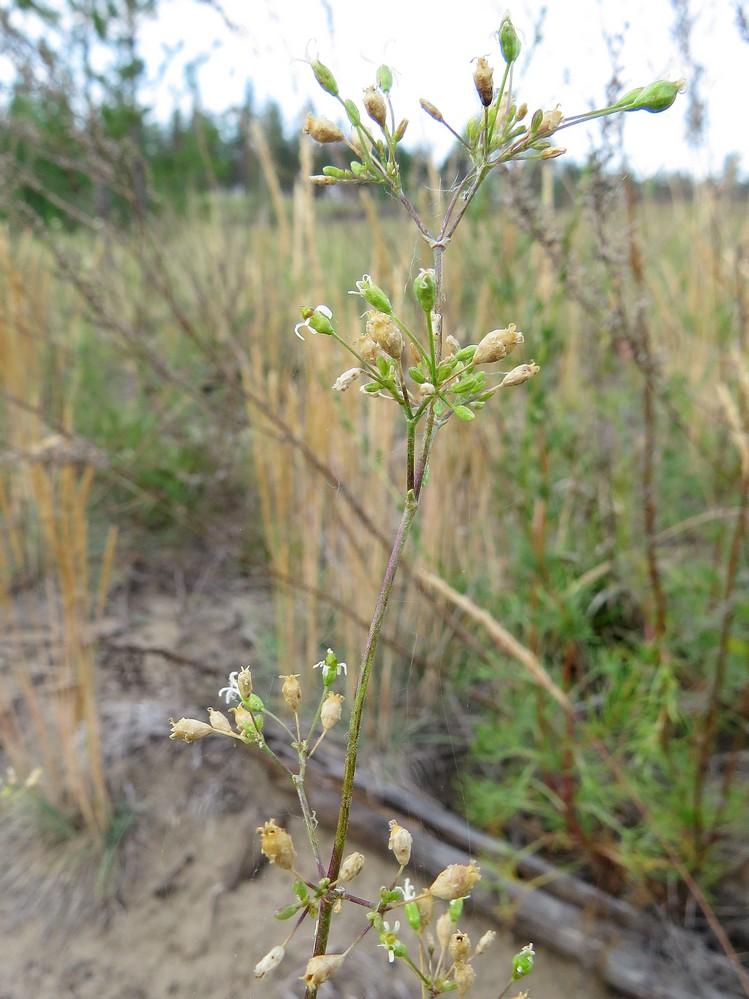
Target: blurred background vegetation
{"points": [[150, 277]]}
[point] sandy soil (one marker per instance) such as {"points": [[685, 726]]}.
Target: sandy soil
{"points": [[190, 914]]}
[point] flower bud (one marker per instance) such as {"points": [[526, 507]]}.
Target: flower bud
{"points": [[324, 77], [483, 79], [190, 729], [455, 881], [277, 845], [385, 79], [271, 961], [352, 112], [497, 344], [321, 968], [431, 110], [371, 293], [351, 867], [509, 42], [331, 710], [291, 691], [375, 105], [459, 947], [657, 97], [519, 374], [400, 842], [385, 334], [522, 962], [321, 129], [425, 288]]}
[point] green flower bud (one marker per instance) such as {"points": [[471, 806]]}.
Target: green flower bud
{"points": [[317, 320], [287, 912], [522, 963], [455, 908], [473, 128], [331, 171], [324, 77], [657, 97], [413, 916], [425, 289], [464, 413], [352, 111], [385, 79], [509, 42], [371, 293]]}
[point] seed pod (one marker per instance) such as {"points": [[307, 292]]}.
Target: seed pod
{"points": [[291, 691], [321, 968], [459, 947], [271, 961], [455, 881], [400, 842], [431, 110], [219, 722], [375, 105], [351, 866], [331, 710], [277, 844], [385, 334], [321, 129], [190, 729], [483, 79]]}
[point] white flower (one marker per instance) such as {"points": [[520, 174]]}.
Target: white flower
{"points": [[328, 664], [310, 323], [231, 692], [409, 892], [389, 939]]}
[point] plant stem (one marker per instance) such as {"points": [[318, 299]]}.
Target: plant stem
{"points": [[357, 712]]}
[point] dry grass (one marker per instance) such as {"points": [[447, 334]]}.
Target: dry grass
{"points": [[48, 711]]}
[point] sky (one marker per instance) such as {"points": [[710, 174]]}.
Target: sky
{"points": [[431, 54]]}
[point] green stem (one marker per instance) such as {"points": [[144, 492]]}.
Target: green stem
{"points": [[357, 713]]}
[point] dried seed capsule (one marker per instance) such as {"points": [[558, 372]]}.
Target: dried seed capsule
{"points": [[277, 844], [483, 79], [400, 842]]}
